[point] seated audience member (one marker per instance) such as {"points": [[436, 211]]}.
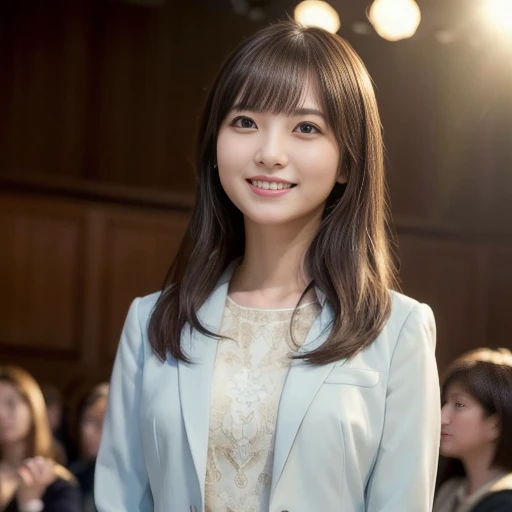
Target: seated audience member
{"points": [[476, 425], [30, 478], [91, 416], [55, 411]]}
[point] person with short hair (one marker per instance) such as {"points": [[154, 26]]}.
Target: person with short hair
{"points": [[476, 423]]}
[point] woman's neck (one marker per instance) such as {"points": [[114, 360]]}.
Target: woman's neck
{"points": [[272, 273], [479, 471], [14, 454]]}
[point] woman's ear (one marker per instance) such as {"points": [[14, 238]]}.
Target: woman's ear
{"points": [[342, 177]]}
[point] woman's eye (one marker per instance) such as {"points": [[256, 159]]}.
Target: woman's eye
{"points": [[307, 128], [458, 405], [244, 122]]}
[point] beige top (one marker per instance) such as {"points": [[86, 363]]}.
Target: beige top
{"points": [[250, 371], [453, 497]]}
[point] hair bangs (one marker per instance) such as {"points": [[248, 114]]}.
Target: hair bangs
{"points": [[274, 79]]}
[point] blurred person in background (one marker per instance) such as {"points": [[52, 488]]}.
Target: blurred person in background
{"points": [[55, 411], [91, 414], [476, 424], [30, 478]]}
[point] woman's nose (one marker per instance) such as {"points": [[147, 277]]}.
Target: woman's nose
{"points": [[272, 152], [445, 415]]}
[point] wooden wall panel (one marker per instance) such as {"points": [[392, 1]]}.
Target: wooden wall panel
{"points": [[450, 276], [139, 249], [40, 278], [44, 93], [69, 269], [500, 297]]}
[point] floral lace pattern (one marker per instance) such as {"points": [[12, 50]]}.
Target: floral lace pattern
{"points": [[250, 369]]}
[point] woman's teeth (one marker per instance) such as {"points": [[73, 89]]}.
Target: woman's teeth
{"points": [[273, 185]]}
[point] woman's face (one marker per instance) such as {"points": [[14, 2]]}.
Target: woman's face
{"points": [[91, 428], [465, 429], [278, 169], [15, 415]]}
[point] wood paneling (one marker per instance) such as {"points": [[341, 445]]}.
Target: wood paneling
{"points": [[69, 269], [44, 92], [106, 91], [138, 252], [500, 300], [40, 271], [452, 277]]}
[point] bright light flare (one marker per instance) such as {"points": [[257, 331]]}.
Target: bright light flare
{"points": [[318, 14], [395, 19], [499, 13]]}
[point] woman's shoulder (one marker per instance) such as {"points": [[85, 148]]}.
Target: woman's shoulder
{"points": [[451, 486], [403, 305], [140, 311], [445, 497], [406, 311], [146, 304]]}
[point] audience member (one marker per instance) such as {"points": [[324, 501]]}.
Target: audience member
{"points": [[476, 423], [91, 414], [30, 478]]}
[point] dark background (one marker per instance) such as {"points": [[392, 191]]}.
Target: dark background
{"points": [[99, 102]]}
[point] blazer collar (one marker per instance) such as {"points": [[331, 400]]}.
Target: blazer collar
{"points": [[302, 383], [195, 378]]}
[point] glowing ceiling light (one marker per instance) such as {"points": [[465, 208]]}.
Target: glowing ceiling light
{"points": [[318, 14], [395, 19]]}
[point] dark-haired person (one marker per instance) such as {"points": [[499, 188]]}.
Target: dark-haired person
{"points": [[91, 415], [30, 478], [476, 423], [277, 370]]}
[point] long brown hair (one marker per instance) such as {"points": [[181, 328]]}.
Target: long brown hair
{"points": [[349, 258], [40, 441]]}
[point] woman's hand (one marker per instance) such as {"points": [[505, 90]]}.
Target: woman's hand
{"points": [[35, 475]]}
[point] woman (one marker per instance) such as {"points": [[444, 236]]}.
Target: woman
{"points": [[276, 370], [30, 479], [476, 423]]}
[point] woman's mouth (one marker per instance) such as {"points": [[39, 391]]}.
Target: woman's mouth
{"points": [[271, 185]]}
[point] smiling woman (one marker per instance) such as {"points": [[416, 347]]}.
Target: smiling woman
{"points": [[298, 154], [271, 372]]}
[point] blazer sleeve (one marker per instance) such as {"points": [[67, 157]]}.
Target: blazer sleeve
{"points": [[404, 474], [121, 482]]}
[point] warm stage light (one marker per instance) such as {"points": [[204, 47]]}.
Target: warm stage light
{"points": [[395, 19], [499, 12], [317, 13]]}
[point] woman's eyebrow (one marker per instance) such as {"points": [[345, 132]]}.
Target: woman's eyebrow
{"points": [[308, 112], [296, 113], [458, 395]]}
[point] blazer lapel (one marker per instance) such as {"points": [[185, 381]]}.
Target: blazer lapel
{"points": [[195, 378], [301, 386]]}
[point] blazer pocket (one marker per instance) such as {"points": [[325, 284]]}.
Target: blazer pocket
{"points": [[353, 376]]}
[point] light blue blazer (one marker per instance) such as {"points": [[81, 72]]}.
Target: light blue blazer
{"points": [[358, 435]]}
